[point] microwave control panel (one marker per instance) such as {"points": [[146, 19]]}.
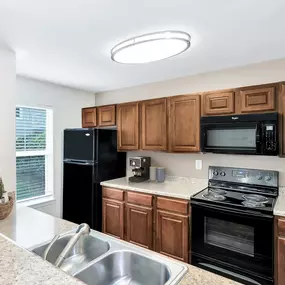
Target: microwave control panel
{"points": [[270, 137]]}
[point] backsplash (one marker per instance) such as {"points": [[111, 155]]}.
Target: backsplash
{"points": [[183, 164]]}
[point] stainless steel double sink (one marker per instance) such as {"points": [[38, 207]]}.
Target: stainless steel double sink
{"points": [[98, 259]]}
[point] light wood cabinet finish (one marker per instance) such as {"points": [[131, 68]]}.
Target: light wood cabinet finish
{"points": [[139, 225], [140, 199], [153, 124], [107, 116], [114, 194], [280, 261], [172, 235], [113, 218], [173, 205], [218, 103], [257, 99], [184, 123], [89, 117], [128, 126]]}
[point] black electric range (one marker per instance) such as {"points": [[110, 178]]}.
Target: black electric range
{"points": [[232, 230]]}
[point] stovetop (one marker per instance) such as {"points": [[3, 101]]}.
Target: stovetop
{"points": [[235, 198], [247, 189]]}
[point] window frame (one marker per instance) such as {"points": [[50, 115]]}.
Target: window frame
{"points": [[49, 160]]}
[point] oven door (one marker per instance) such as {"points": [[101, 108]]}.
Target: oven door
{"points": [[241, 242], [236, 137]]}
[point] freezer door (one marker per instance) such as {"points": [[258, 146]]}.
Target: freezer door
{"points": [[79, 144]]}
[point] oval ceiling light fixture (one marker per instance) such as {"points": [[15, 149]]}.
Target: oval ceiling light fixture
{"points": [[151, 47]]}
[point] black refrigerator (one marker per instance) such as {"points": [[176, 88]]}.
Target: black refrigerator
{"points": [[90, 157]]}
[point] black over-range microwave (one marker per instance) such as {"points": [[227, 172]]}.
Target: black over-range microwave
{"points": [[240, 134]]}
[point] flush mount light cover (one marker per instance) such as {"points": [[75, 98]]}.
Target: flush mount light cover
{"points": [[151, 47]]}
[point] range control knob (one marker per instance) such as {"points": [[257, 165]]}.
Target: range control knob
{"points": [[223, 173], [268, 178], [259, 177], [215, 172]]}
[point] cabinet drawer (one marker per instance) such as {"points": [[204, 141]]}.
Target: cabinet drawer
{"points": [[115, 194], [141, 199], [173, 205], [281, 227]]}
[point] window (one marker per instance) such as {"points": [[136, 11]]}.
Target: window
{"points": [[34, 152]]}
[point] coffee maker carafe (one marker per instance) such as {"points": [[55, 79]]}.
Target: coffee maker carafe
{"points": [[140, 169]]}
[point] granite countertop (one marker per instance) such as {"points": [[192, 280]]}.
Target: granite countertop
{"points": [[176, 187], [279, 209], [27, 227]]}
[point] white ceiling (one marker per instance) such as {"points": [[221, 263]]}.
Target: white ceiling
{"points": [[69, 41]]}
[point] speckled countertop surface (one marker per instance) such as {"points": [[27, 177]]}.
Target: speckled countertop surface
{"points": [[27, 227], [279, 209], [176, 187]]}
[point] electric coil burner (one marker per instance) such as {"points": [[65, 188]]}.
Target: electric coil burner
{"points": [[232, 224]]}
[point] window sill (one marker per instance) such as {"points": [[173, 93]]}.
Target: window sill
{"points": [[36, 201]]}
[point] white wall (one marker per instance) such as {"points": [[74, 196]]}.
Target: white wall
{"points": [[184, 164], [66, 104], [7, 119]]}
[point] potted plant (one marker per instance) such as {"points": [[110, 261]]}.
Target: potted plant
{"points": [[6, 202]]}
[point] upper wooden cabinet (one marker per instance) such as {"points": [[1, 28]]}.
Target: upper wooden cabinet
{"points": [[282, 118], [89, 117], [219, 103], [184, 123], [257, 99], [153, 124], [106, 115], [128, 126]]}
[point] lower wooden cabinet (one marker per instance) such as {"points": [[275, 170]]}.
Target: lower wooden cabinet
{"points": [[139, 225], [280, 260], [172, 235], [113, 218], [156, 223]]}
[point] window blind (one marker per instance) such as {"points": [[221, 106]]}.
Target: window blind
{"points": [[32, 152]]}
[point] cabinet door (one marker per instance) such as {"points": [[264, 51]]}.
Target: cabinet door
{"points": [[280, 260], [218, 103], [257, 100], [184, 123], [139, 225], [113, 218], [89, 117], [107, 115], [128, 126], [282, 119], [172, 235], [153, 123]]}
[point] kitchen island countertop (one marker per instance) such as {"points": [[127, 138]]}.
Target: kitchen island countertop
{"points": [[27, 227]]}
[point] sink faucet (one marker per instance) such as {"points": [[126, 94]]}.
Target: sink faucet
{"points": [[81, 230]]}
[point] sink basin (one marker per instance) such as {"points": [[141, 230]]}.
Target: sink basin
{"points": [[125, 268], [86, 249]]}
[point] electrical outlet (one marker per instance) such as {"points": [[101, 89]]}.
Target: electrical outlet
{"points": [[198, 164]]}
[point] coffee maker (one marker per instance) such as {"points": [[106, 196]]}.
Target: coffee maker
{"points": [[140, 169]]}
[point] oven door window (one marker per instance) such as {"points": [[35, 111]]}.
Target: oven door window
{"points": [[229, 235]]}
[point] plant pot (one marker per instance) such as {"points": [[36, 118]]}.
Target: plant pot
{"points": [[5, 209]]}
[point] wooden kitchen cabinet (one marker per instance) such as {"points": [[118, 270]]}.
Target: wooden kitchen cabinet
{"points": [[153, 124], [89, 119], [218, 103], [279, 251], [113, 218], [139, 225], [184, 123], [172, 235], [106, 116], [258, 99], [128, 126], [282, 119]]}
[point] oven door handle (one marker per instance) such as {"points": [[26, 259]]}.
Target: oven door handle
{"points": [[235, 211]]}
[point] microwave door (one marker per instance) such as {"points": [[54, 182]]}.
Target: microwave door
{"points": [[240, 138]]}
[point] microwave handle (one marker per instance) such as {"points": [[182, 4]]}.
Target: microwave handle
{"points": [[257, 136]]}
